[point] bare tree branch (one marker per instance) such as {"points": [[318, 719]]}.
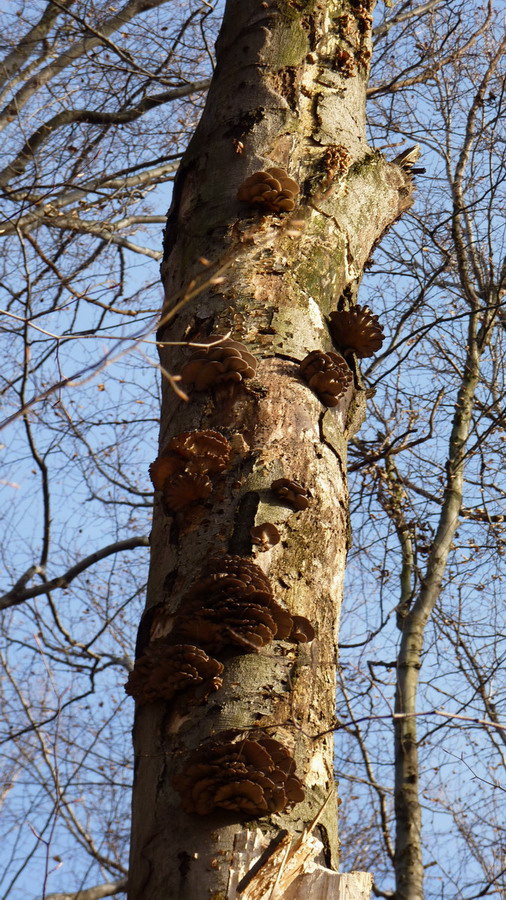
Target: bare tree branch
{"points": [[24, 49], [381, 30], [93, 893], [131, 9], [92, 117], [19, 594]]}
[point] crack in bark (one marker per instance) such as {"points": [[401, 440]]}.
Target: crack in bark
{"points": [[240, 540]]}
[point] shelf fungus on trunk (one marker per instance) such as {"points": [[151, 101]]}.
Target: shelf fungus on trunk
{"points": [[182, 490], [226, 362], [302, 631], [337, 161], [194, 451], [327, 374], [292, 492], [265, 536], [182, 470], [165, 669], [232, 604], [356, 329], [248, 773], [273, 189]]}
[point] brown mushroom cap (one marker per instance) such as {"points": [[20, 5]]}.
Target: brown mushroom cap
{"points": [[203, 373], [291, 491], [356, 329], [302, 631], [273, 189], [287, 183], [166, 668], [182, 490], [265, 536], [186, 456], [164, 467], [251, 774], [327, 374], [227, 361], [328, 386], [204, 451]]}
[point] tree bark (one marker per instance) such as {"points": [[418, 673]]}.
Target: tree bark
{"points": [[288, 91]]}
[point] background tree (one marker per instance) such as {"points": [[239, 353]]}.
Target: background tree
{"points": [[66, 760], [430, 459]]}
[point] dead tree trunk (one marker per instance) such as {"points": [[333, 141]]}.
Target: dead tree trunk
{"points": [[288, 92]]}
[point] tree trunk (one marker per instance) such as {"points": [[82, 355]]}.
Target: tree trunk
{"points": [[288, 91], [408, 813]]}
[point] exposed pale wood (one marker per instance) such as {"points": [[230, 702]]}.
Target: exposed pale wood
{"points": [[248, 848], [282, 868], [322, 884], [290, 872]]}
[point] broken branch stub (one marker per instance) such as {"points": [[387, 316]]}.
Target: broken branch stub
{"points": [[249, 773]]}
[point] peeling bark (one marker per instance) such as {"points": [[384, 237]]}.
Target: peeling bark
{"points": [[281, 96]]}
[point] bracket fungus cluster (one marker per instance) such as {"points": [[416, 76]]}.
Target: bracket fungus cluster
{"points": [[273, 189], [232, 604], [231, 607], [355, 29], [166, 668], [182, 490], [337, 160], [356, 329], [182, 470], [228, 361], [248, 773], [327, 374], [362, 12], [290, 490], [345, 63]]}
